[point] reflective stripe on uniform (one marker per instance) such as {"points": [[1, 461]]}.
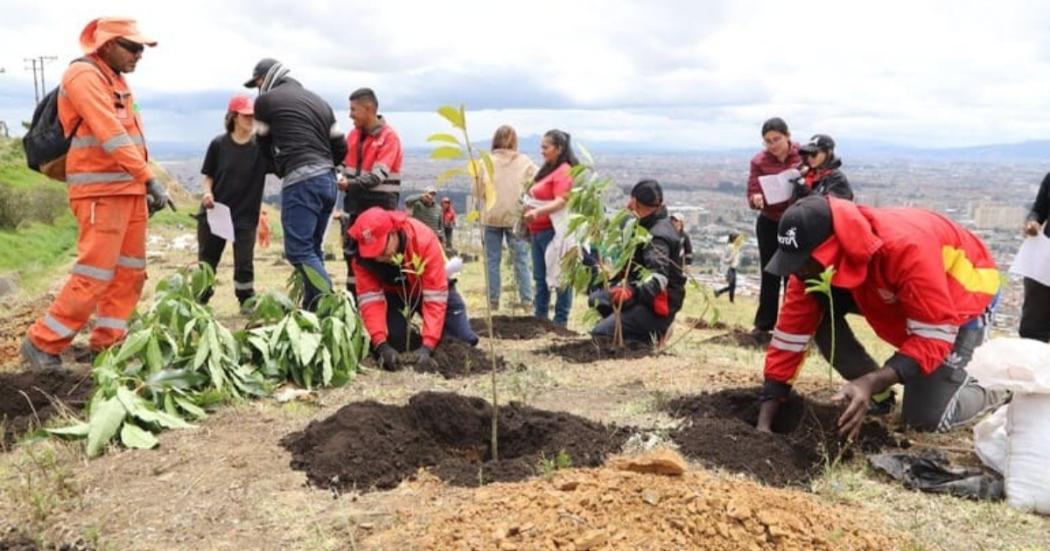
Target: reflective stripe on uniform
{"points": [[789, 341], [245, 286], [112, 323], [942, 332], [131, 262], [661, 280], [62, 331], [790, 347], [93, 272], [435, 296], [120, 140], [367, 298], [387, 188], [77, 178]]}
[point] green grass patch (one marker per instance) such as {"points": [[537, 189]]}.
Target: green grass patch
{"points": [[36, 248]]}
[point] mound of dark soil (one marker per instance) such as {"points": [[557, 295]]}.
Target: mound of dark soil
{"points": [[368, 445], [28, 399], [519, 328], [453, 358], [600, 348], [719, 430], [744, 338]]}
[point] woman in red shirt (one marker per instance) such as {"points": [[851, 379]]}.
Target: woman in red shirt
{"points": [[552, 185], [778, 155]]}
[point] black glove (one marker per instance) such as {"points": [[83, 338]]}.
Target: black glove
{"points": [[387, 357], [157, 197], [423, 358]]}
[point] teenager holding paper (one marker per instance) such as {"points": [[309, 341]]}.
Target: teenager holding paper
{"points": [[778, 155]]}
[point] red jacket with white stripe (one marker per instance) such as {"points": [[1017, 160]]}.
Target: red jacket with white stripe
{"points": [[915, 276], [428, 289]]}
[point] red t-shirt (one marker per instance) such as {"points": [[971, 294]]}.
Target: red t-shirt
{"points": [[554, 185]]}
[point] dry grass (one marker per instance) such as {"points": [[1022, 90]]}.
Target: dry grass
{"points": [[227, 484]]}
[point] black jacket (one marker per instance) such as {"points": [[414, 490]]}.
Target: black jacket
{"points": [[662, 257], [687, 249], [301, 128], [1041, 207], [827, 180]]}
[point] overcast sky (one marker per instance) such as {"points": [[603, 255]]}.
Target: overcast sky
{"points": [[676, 75]]}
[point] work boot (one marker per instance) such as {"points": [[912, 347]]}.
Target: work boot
{"points": [[884, 406], [37, 359]]}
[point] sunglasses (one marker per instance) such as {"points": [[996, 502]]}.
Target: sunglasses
{"points": [[131, 47]]}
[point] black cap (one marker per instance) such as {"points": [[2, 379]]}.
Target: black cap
{"points": [[648, 193], [805, 225], [819, 142], [261, 68]]}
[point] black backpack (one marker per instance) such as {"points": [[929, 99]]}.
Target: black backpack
{"points": [[46, 143]]}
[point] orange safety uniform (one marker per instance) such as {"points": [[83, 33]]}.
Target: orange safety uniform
{"points": [[106, 172], [264, 230]]}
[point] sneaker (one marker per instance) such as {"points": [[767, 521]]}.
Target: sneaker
{"points": [[39, 360], [247, 309], [884, 406]]}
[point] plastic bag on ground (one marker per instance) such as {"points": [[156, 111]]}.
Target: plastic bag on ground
{"points": [[1021, 366]]}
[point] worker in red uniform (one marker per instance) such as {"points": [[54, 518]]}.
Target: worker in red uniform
{"points": [[111, 189], [372, 173], [398, 261], [923, 283]]}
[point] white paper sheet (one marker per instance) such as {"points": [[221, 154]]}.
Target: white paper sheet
{"points": [[220, 221], [1033, 259], [777, 188]]}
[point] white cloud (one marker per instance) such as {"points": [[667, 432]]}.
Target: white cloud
{"points": [[685, 75]]}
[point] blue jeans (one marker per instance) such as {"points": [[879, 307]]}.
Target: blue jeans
{"points": [[306, 208], [494, 237], [563, 300]]}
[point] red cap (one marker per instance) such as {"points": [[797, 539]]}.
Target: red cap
{"points": [[371, 229], [241, 104]]}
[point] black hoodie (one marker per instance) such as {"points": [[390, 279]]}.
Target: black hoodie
{"points": [[302, 128]]}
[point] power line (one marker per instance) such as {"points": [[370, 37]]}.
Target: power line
{"points": [[36, 64]]}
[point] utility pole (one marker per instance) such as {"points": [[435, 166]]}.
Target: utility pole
{"points": [[42, 59], [37, 64], [36, 89]]}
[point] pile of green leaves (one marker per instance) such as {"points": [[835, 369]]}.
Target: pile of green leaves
{"points": [[308, 348], [178, 360]]}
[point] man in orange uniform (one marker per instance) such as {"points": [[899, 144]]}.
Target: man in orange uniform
{"points": [[111, 192]]}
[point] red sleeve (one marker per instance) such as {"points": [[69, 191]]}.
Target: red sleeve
{"points": [[752, 180], [351, 150], [435, 288], [798, 321], [932, 322], [389, 156], [561, 182], [371, 303]]}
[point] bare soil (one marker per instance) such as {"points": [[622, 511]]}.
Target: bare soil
{"points": [[453, 358], [700, 323], [369, 445], [28, 399], [519, 328], [719, 431], [743, 338], [623, 506], [600, 348]]}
